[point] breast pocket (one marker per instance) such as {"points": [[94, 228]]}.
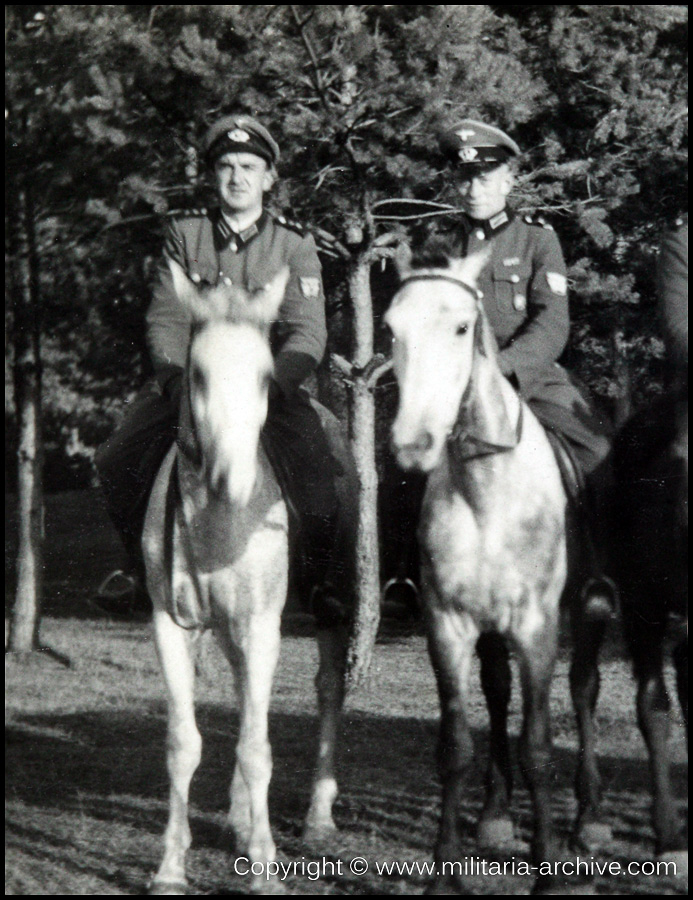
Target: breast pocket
{"points": [[511, 286]]}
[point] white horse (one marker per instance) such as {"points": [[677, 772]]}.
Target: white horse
{"points": [[216, 540], [493, 542]]}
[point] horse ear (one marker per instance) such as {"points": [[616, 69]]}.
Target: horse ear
{"points": [[470, 268], [265, 303], [189, 295]]}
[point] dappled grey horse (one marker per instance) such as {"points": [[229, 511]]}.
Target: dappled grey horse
{"points": [[216, 540], [494, 537]]}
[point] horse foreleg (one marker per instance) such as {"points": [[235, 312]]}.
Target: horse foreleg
{"points": [[259, 651], [495, 824], [451, 640], [184, 746], [537, 660], [332, 643], [590, 832]]}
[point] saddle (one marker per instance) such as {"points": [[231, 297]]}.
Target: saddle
{"points": [[572, 476]]}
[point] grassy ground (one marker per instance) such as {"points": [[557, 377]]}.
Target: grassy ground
{"points": [[85, 776]]}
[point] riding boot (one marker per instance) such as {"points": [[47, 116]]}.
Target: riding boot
{"points": [[127, 465], [599, 593], [327, 567], [401, 502]]}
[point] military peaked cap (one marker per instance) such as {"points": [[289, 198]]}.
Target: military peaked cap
{"points": [[470, 143], [239, 134]]}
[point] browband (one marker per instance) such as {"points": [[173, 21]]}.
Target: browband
{"points": [[475, 292]]}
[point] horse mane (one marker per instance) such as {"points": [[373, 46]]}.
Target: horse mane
{"points": [[436, 253]]}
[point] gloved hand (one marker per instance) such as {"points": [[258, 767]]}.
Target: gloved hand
{"points": [[170, 381]]}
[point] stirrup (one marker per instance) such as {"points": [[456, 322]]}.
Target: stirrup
{"points": [[405, 582], [410, 602], [599, 599], [124, 585]]}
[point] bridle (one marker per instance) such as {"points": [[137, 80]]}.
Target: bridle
{"points": [[429, 276], [475, 446]]}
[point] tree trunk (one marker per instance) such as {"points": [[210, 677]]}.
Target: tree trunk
{"points": [[362, 433], [24, 625]]}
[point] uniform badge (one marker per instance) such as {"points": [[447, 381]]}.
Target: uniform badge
{"points": [[468, 154], [310, 288], [465, 133], [238, 136], [557, 282], [520, 302]]}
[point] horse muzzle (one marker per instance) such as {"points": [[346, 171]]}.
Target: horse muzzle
{"points": [[418, 453]]}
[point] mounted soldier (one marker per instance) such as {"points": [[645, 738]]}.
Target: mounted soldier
{"points": [[240, 243], [525, 297]]}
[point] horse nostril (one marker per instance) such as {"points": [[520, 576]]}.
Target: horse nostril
{"points": [[422, 443], [425, 441]]}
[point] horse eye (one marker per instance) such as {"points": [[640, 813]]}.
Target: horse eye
{"points": [[462, 329], [197, 378]]}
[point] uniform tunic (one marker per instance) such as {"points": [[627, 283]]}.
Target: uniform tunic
{"points": [[298, 436], [208, 252]]}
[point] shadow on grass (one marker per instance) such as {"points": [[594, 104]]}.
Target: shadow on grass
{"points": [[111, 766]]}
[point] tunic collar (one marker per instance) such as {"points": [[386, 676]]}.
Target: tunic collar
{"points": [[225, 236], [489, 227]]}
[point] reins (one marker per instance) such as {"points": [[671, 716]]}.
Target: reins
{"points": [[458, 434]]}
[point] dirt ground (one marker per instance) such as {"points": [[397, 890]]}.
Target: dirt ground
{"points": [[86, 787]]}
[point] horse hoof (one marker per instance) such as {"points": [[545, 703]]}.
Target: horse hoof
{"points": [[445, 886], [595, 836], [679, 858], [495, 833], [547, 889], [262, 885], [321, 840], [170, 888]]}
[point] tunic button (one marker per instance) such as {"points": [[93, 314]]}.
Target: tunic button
{"points": [[234, 246], [195, 277], [514, 278], [480, 234]]}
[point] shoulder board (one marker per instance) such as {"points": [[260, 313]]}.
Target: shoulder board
{"points": [[539, 221], [195, 213], [291, 224]]}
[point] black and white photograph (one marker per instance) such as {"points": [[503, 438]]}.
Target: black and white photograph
{"points": [[346, 449]]}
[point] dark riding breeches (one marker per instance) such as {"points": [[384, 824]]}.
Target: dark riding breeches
{"points": [[315, 472]]}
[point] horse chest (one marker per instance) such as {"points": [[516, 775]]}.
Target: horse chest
{"points": [[482, 558]]}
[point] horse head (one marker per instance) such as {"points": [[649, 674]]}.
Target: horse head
{"points": [[438, 331], [227, 377]]}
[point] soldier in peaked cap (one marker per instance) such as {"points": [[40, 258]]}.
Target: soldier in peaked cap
{"points": [[241, 243], [525, 297]]}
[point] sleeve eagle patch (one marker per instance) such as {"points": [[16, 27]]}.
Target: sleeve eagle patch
{"points": [[557, 282], [310, 287]]}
